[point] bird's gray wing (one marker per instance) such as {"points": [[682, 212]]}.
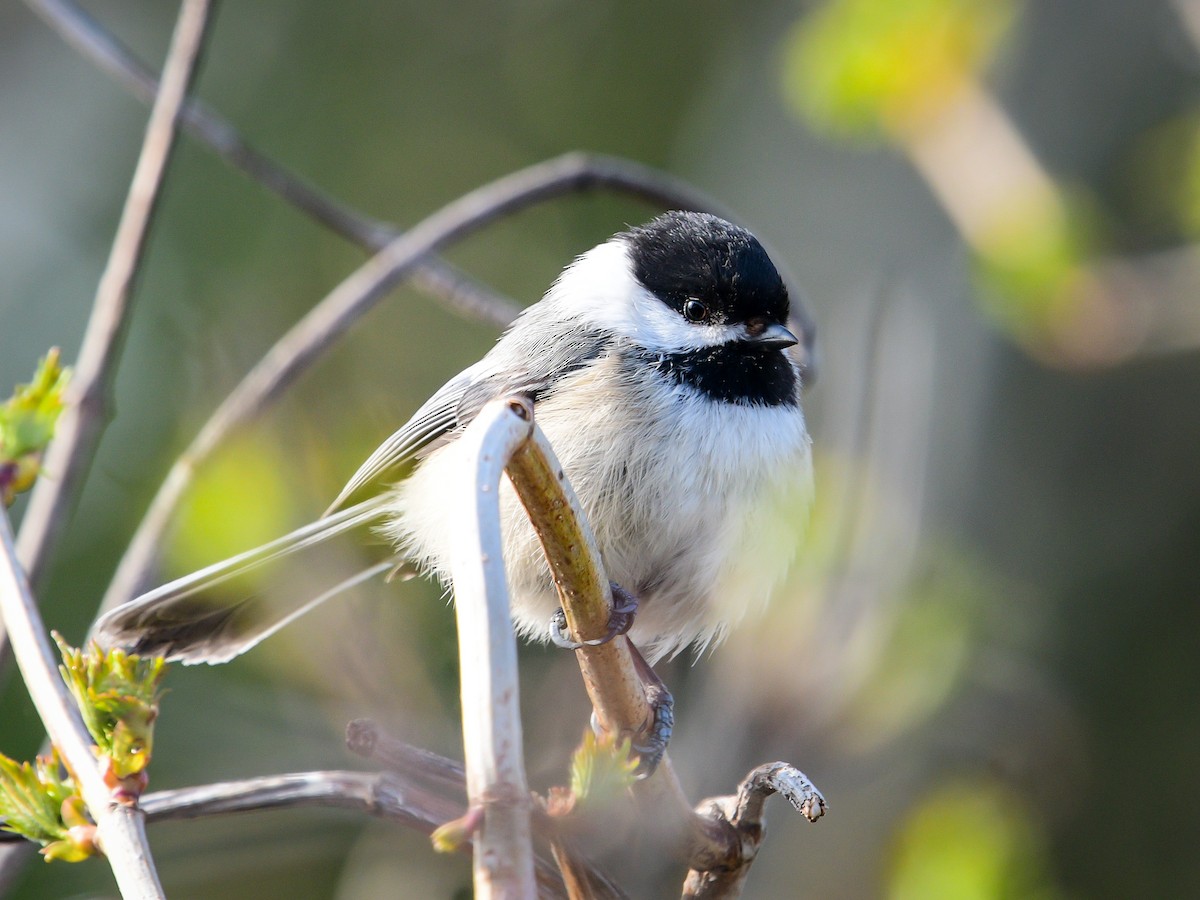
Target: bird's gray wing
{"points": [[187, 620], [526, 362], [436, 418]]}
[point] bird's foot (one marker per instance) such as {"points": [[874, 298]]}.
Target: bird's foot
{"points": [[624, 608], [651, 742]]}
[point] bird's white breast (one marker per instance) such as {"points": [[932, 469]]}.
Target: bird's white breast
{"points": [[695, 504]]}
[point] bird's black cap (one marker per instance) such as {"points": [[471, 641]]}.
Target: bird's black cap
{"points": [[683, 255]]}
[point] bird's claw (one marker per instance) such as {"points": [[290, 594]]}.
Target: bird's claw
{"points": [[624, 608], [651, 744]]}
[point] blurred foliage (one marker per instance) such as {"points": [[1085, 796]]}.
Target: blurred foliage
{"points": [[240, 499], [970, 840], [27, 421], [874, 69], [602, 769], [922, 659], [880, 68], [1164, 170], [1030, 263]]}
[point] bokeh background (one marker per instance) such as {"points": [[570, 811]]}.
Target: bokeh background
{"points": [[988, 657]]}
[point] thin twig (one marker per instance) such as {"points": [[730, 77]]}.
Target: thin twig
{"points": [[380, 794], [365, 738], [120, 828], [89, 407], [457, 290], [487, 656], [330, 318], [744, 813], [385, 795]]}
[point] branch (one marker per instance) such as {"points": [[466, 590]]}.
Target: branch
{"points": [[447, 776], [71, 452], [487, 656], [455, 288], [385, 795], [365, 738], [380, 794], [330, 318], [120, 828], [744, 813]]}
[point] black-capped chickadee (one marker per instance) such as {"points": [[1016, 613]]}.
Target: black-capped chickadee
{"points": [[659, 370]]}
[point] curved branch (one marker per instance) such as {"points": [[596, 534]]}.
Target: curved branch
{"points": [[744, 813], [608, 670], [487, 655]]}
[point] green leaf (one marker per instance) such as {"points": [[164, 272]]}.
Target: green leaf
{"points": [[27, 422], [602, 769], [33, 797], [117, 694]]}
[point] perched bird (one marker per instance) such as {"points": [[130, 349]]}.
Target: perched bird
{"points": [[659, 368]]}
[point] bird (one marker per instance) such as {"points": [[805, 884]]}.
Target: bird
{"points": [[658, 364]]}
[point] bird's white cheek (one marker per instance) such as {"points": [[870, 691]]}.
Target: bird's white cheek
{"points": [[600, 288]]}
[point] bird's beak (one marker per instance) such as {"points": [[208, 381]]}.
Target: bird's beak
{"points": [[774, 337]]}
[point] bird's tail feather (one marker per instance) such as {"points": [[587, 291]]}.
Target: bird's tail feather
{"points": [[187, 620]]}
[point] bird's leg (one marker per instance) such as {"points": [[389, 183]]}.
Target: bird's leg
{"points": [[651, 743], [624, 607]]}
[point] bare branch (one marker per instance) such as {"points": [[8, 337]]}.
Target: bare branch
{"points": [[713, 841], [120, 828], [385, 795], [487, 656], [744, 813], [457, 290], [370, 792], [71, 452], [366, 739], [776, 778], [330, 318]]}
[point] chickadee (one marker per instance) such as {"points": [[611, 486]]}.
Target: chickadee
{"points": [[659, 370]]}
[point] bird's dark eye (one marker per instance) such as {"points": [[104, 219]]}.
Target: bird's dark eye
{"points": [[695, 310]]}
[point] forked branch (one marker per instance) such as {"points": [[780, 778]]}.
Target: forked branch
{"points": [[120, 828]]}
